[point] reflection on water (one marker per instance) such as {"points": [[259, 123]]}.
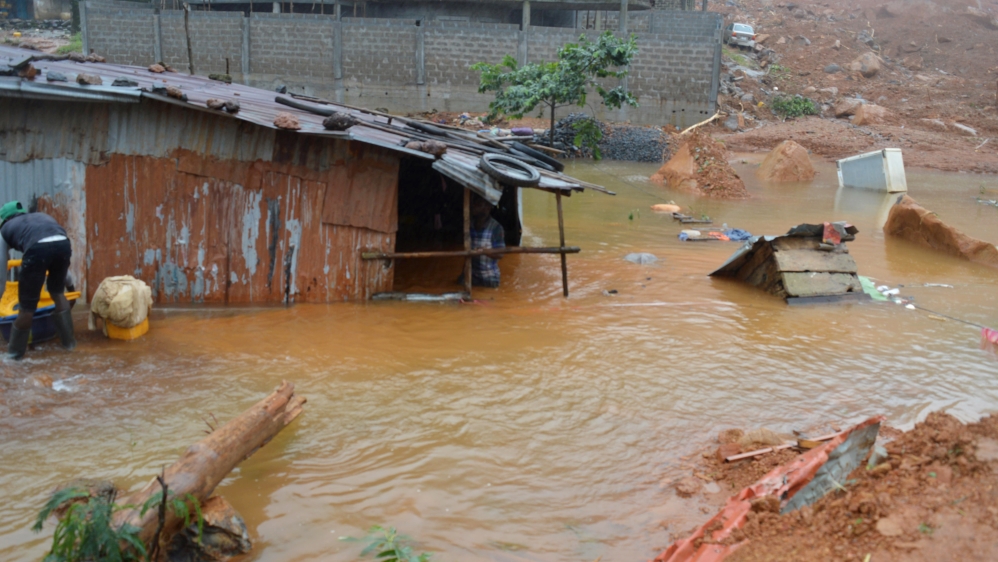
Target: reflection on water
{"points": [[850, 201], [524, 426]]}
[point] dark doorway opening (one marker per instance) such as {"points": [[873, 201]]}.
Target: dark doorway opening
{"points": [[431, 218]]}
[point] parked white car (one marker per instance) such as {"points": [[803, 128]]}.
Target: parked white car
{"points": [[740, 34]]}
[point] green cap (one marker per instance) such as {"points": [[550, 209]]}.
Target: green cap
{"points": [[11, 209]]}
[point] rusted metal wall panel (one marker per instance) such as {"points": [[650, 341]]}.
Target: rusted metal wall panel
{"points": [[205, 238], [56, 185], [364, 190], [203, 207]]}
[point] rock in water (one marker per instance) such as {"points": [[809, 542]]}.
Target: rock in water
{"points": [[912, 222], [224, 535], [788, 162], [688, 486], [700, 165], [641, 258]]}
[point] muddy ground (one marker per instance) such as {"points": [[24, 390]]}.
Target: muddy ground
{"points": [[935, 497], [937, 75]]}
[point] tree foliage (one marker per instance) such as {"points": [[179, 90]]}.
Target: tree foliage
{"points": [[580, 66]]}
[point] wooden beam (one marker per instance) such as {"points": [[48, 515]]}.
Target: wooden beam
{"points": [[561, 237], [814, 260], [467, 241], [206, 463], [803, 284], [470, 253]]}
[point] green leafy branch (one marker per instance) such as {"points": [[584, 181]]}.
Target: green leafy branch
{"points": [[387, 545], [86, 530], [550, 85]]}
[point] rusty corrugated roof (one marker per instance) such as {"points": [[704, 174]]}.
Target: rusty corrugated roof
{"points": [[257, 106]]}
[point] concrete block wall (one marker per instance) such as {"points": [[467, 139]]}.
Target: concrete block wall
{"points": [[123, 36], [291, 45], [379, 52], [402, 66], [687, 26], [671, 70], [452, 47], [215, 36]]}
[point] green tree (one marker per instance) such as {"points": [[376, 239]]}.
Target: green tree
{"points": [[551, 85]]}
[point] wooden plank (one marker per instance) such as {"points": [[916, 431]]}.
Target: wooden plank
{"points": [[795, 243], [803, 284], [814, 260], [561, 234], [372, 255], [758, 452], [761, 254], [828, 299], [467, 241]]}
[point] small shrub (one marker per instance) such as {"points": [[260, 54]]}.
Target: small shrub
{"points": [[588, 134], [86, 530], [795, 106], [387, 545]]}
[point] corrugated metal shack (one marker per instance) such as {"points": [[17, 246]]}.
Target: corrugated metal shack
{"points": [[216, 207]]}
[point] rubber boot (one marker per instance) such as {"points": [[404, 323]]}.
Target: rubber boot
{"points": [[18, 343], [64, 327]]}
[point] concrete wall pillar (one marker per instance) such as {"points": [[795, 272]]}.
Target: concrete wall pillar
{"points": [[338, 89], [277, 7], [623, 18], [84, 30], [522, 47], [245, 55], [336, 9], [157, 38], [525, 21], [420, 54]]}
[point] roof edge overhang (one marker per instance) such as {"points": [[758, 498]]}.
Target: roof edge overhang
{"points": [[18, 88]]}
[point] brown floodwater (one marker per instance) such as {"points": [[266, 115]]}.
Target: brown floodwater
{"points": [[524, 426]]}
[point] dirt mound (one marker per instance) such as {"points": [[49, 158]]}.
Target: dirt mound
{"points": [[933, 498], [837, 138], [700, 165], [788, 162], [912, 222]]}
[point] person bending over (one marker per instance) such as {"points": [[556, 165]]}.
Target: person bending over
{"points": [[45, 248]]}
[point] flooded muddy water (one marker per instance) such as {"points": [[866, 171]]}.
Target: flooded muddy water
{"points": [[524, 426]]}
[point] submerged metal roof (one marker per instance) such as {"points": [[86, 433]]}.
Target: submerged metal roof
{"points": [[261, 107]]}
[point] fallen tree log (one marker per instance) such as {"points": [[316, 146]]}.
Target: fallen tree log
{"points": [[208, 461]]}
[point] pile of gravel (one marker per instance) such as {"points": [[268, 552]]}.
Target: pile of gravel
{"points": [[635, 144], [23, 25], [620, 142]]}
